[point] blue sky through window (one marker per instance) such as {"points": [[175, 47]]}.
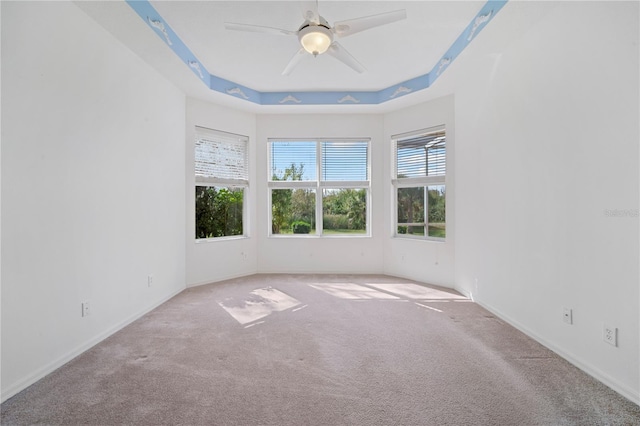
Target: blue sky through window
{"points": [[299, 153]]}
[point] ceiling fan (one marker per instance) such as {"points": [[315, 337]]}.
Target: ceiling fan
{"points": [[316, 35]]}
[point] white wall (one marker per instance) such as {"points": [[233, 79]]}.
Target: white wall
{"points": [[221, 258], [321, 254], [547, 141], [92, 183], [423, 260]]}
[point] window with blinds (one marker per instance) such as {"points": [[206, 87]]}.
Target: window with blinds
{"points": [[421, 155], [419, 184], [319, 187], [342, 161], [221, 157], [221, 179]]}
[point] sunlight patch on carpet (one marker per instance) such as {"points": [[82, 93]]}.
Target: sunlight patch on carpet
{"points": [[351, 291], [428, 307], [259, 304], [414, 291]]}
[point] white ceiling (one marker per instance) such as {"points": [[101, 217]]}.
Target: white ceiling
{"points": [[391, 54]]}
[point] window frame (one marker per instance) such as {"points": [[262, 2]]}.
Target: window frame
{"points": [[319, 185], [229, 183], [425, 182]]}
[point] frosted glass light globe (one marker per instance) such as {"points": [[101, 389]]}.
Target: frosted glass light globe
{"points": [[315, 39]]}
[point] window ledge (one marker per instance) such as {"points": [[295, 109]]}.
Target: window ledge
{"points": [[216, 239], [427, 239], [300, 236]]}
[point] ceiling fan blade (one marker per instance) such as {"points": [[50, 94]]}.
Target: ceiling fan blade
{"points": [[339, 52], [257, 29], [310, 11], [300, 54], [352, 26]]}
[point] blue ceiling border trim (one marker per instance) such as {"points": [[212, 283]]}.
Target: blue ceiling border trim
{"points": [[153, 19], [482, 18]]}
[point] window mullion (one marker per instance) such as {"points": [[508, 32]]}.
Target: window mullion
{"points": [[426, 211], [319, 160], [345, 184], [319, 194], [292, 184], [424, 180]]}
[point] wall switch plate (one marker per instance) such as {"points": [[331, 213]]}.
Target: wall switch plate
{"points": [[149, 280], [610, 335], [85, 309], [567, 315]]}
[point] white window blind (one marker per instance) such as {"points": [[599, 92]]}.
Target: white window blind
{"points": [[421, 155], [221, 157], [345, 161]]}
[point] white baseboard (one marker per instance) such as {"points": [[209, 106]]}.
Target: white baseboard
{"points": [[52, 366], [276, 271], [436, 283], [621, 388], [222, 278], [322, 271]]}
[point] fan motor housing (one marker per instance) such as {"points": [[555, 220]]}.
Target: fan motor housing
{"points": [[322, 23]]}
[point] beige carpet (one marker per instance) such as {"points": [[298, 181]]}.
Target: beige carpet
{"points": [[319, 350]]}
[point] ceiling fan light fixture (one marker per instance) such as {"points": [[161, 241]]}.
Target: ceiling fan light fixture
{"points": [[315, 39]]}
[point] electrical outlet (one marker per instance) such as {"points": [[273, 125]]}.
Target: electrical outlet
{"points": [[610, 335], [149, 280], [567, 315], [85, 309]]}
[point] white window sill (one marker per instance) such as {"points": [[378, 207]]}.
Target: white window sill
{"points": [[216, 239]]}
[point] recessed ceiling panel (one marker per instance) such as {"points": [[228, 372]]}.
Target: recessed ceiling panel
{"points": [[391, 53]]}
